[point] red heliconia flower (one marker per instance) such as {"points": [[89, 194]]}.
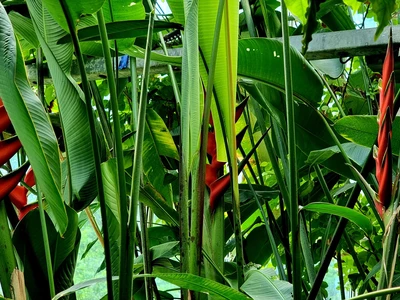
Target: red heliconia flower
{"points": [[8, 148], [384, 154], [219, 185], [11, 180], [4, 119]]}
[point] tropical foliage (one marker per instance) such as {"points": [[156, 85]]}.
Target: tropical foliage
{"points": [[208, 156]]}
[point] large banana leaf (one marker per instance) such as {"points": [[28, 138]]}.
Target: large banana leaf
{"points": [[28, 242], [71, 104], [262, 60], [31, 123], [120, 30], [226, 65], [23, 27], [76, 8]]}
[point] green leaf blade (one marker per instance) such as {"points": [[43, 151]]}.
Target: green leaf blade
{"points": [[31, 123], [357, 218]]}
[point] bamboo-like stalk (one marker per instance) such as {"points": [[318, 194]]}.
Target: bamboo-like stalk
{"points": [[137, 168], [94, 143], [340, 274], [198, 196], [144, 236], [49, 263], [293, 180]]}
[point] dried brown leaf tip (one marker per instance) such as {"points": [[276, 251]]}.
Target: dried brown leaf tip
{"points": [[384, 154]]}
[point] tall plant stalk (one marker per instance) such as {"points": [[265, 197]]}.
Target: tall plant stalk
{"points": [[137, 167], [231, 138], [43, 226], [94, 143], [292, 182], [124, 266], [216, 217]]}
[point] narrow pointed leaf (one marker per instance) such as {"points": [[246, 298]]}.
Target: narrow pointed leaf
{"points": [[262, 60], [328, 208], [120, 30], [31, 123]]}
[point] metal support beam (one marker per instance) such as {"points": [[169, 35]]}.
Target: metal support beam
{"points": [[347, 43], [323, 45]]}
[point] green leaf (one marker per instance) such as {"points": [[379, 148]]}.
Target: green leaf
{"points": [[28, 242], [123, 10], [260, 286], [383, 10], [328, 208], [363, 130], [31, 123], [120, 30], [76, 8], [153, 167], [23, 27], [225, 70], [138, 52], [186, 281], [355, 152], [76, 129], [162, 138], [178, 11], [262, 60], [153, 199], [298, 8]]}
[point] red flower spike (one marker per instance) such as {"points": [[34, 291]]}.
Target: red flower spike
{"points": [[18, 197], [4, 119], [384, 155], [218, 188], [30, 178], [240, 108], [10, 181], [8, 148], [26, 209]]}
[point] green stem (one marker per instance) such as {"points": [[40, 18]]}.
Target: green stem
{"points": [[271, 154], [126, 288], [145, 250], [333, 95], [373, 295], [134, 93], [249, 19], [46, 244], [7, 258], [271, 238], [352, 252], [291, 127], [96, 153], [199, 184], [171, 72], [231, 138], [340, 274], [338, 232], [102, 114], [125, 267], [251, 136], [40, 75], [307, 255]]}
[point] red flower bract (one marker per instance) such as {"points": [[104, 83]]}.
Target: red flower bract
{"points": [[384, 153]]}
